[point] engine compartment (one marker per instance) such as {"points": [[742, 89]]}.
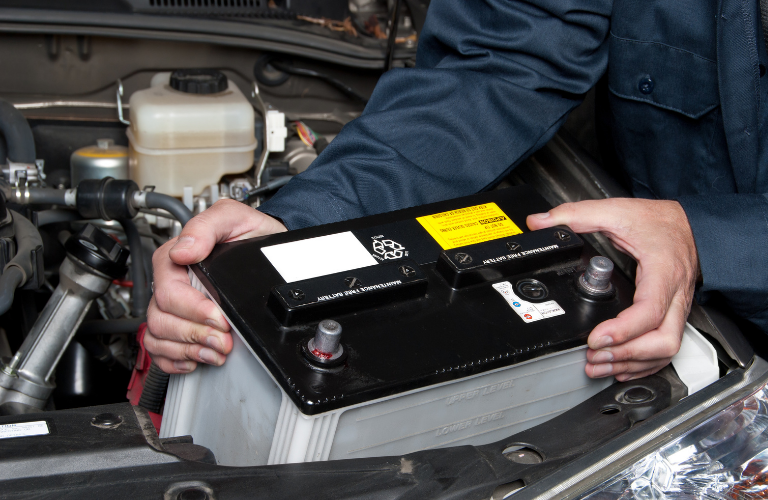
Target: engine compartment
{"points": [[67, 89]]}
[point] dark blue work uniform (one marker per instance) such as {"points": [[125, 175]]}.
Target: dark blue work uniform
{"points": [[494, 81]]}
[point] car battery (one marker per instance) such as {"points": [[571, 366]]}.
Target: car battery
{"points": [[440, 325]]}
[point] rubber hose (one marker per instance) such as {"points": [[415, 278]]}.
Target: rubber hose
{"points": [[156, 383], [171, 204], [45, 217], [9, 282], [45, 196], [27, 239], [110, 326], [155, 387], [139, 294], [17, 133], [98, 350], [3, 150]]}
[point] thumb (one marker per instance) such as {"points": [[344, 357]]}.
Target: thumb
{"points": [[224, 221], [582, 216]]}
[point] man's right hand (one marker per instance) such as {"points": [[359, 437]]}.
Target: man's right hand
{"points": [[185, 328]]}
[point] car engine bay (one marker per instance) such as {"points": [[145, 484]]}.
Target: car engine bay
{"points": [[373, 366]]}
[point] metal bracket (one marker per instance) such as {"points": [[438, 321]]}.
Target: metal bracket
{"points": [[119, 99]]}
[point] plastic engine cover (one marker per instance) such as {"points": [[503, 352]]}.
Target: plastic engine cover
{"points": [[459, 326]]}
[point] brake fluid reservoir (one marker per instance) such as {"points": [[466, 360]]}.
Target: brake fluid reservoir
{"points": [[189, 128]]}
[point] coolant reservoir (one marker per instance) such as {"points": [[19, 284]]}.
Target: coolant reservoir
{"points": [[189, 128]]}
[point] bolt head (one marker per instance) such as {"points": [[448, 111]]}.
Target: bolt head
{"points": [[463, 258], [353, 282], [107, 421], [407, 271], [562, 235], [638, 395]]}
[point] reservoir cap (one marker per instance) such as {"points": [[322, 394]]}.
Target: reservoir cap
{"points": [[199, 81]]}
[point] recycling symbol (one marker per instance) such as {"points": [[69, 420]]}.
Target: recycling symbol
{"points": [[388, 249]]}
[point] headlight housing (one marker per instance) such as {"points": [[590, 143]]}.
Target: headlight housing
{"points": [[724, 457]]}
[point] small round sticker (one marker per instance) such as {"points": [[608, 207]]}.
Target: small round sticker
{"points": [[528, 316], [516, 304]]}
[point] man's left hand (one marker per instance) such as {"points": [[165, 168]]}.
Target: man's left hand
{"points": [[642, 339]]}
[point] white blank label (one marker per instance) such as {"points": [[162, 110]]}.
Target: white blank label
{"points": [[313, 257]]}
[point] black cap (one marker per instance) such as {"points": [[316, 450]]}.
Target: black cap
{"points": [[199, 81], [97, 249]]}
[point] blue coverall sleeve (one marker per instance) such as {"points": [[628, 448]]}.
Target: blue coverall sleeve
{"points": [[731, 233], [494, 80]]}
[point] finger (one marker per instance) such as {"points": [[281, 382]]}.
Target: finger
{"points": [[174, 367], [626, 377], [630, 368], [168, 327], [663, 342], [177, 297], [583, 216], [181, 351], [653, 298], [173, 293], [224, 221]]}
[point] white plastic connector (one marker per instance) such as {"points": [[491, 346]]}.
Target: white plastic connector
{"points": [[276, 131], [188, 198], [70, 197]]}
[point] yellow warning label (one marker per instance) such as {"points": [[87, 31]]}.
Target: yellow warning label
{"points": [[467, 226]]}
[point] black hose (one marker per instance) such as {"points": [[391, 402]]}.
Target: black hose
{"points": [[23, 266], [156, 383], [45, 196], [392, 35], [110, 326], [140, 293], [3, 150], [171, 204], [17, 133], [155, 387], [269, 186], [9, 281], [45, 217], [288, 69], [98, 350]]}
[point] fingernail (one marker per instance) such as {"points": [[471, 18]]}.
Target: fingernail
{"points": [[214, 343], [541, 216], [603, 341], [602, 357], [215, 324], [183, 366], [602, 370], [209, 356], [183, 243]]}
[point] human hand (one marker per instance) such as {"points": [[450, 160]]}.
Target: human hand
{"points": [[185, 328], [642, 339]]}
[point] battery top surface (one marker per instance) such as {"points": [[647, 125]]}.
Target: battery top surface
{"points": [[424, 295]]}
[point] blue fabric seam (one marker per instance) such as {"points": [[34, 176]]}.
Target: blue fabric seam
{"points": [[649, 42], [671, 108]]}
